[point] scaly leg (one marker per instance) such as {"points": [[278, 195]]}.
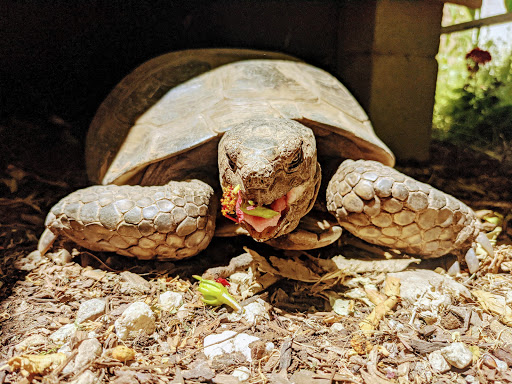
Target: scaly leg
{"points": [[385, 207], [172, 221]]}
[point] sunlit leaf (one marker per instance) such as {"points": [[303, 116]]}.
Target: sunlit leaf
{"points": [[263, 212]]}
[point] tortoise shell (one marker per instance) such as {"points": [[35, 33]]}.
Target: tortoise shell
{"points": [[183, 100]]}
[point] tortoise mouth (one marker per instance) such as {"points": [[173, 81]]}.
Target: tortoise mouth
{"points": [[265, 222], [286, 206], [262, 228]]}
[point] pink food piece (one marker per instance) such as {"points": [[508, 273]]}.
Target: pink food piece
{"points": [[239, 213], [260, 223], [279, 205]]}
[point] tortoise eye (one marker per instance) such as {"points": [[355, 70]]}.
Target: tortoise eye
{"points": [[297, 160], [231, 163]]}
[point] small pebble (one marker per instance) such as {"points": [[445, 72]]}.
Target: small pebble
{"points": [[337, 327], [253, 313], [61, 257], [31, 341], [63, 334], [171, 301], [438, 362], [454, 269], [472, 261], [88, 350], [242, 373], [90, 310], [229, 342], [86, 378], [123, 353], [485, 243], [138, 316], [457, 354]]}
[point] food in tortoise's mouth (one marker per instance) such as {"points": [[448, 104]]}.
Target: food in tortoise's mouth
{"points": [[259, 217]]}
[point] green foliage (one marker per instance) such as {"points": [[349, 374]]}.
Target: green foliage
{"points": [[473, 106], [508, 5]]}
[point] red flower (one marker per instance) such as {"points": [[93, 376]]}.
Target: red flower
{"points": [[222, 281], [479, 56]]}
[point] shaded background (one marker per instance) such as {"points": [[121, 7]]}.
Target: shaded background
{"points": [[62, 58]]}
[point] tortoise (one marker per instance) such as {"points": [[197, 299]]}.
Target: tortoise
{"points": [[262, 128]]}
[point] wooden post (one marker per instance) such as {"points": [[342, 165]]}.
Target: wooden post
{"points": [[387, 52]]}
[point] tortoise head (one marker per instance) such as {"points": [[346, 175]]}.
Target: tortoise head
{"points": [[274, 163]]}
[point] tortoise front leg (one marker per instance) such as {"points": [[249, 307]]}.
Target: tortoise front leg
{"points": [[172, 221], [385, 207]]}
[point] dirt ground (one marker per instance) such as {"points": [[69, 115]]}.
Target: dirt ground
{"points": [[316, 322]]}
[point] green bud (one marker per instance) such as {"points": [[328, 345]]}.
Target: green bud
{"points": [[216, 294]]}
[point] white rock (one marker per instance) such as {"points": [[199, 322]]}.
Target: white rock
{"points": [[438, 362], [457, 354], [421, 369], [86, 378], [403, 369], [29, 262], [66, 349], [485, 243], [92, 335], [337, 327], [472, 260], [227, 342], [454, 269], [413, 284], [138, 316], [63, 334], [242, 373], [31, 341], [61, 257], [88, 350], [171, 301], [500, 364], [90, 310], [342, 307], [253, 313]]}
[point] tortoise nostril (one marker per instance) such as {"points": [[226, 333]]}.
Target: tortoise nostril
{"points": [[231, 163]]}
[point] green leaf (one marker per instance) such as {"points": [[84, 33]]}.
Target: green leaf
{"points": [[508, 5], [266, 213]]}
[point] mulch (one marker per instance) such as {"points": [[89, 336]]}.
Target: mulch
{"points": [[41, 162]]}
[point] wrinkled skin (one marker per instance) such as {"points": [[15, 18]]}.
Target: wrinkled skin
{"points": [[274, 163], [270, 159]]}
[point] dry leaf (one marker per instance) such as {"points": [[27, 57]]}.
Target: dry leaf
{"points": [[294, 269], [392, 286], [378, 313], [37, 364], [495, 304], [392, 289], [12, 184], [361, 344], [375, 296], [362, 266], [262, 263], [502, 332]]}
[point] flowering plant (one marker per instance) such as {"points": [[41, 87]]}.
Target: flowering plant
{"points": [[235, 209]]}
